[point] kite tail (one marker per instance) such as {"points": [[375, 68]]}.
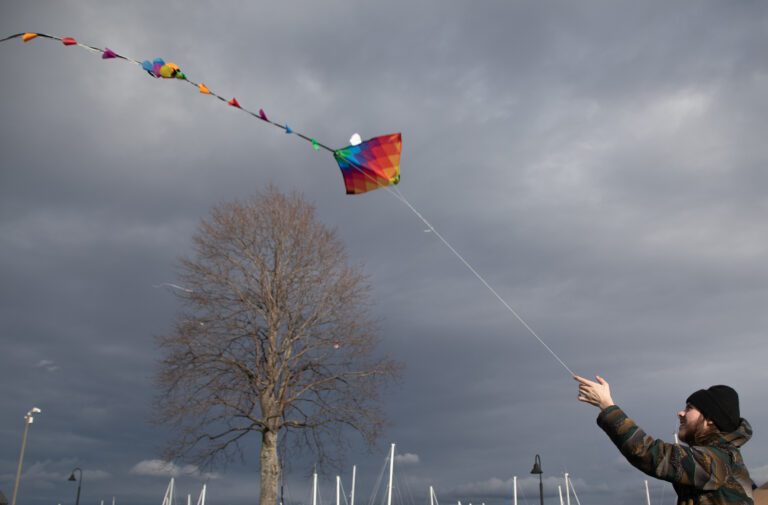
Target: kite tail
{"points": [[159, 68]]}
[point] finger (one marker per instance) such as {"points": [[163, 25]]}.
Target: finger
{"points": [[582, 380], [600, 380]]}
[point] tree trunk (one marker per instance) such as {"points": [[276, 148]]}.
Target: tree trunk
{"points": [[270, 468]]}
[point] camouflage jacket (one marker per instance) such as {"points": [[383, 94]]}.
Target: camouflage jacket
{"points": [[712, 473]]}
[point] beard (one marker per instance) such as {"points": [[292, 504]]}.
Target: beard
{"points": [[692, 433]]}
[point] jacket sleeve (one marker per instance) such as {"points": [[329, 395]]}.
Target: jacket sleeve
{"points": [[704, 468]]}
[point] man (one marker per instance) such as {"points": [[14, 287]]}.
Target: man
{"points": [[709, 470]]}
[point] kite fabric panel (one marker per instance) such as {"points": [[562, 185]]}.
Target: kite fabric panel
{"points": [[372, 164], [365, 166]]}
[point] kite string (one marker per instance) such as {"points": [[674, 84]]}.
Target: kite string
{"points": [[395, 192]]}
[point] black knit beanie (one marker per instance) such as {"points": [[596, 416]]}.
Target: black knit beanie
{"points": [[719, 404]]}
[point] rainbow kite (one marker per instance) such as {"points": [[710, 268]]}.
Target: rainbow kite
{"points": [[365, 165]]}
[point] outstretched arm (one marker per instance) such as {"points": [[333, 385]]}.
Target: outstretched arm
{"points": [[700, 467], [704, 468]]}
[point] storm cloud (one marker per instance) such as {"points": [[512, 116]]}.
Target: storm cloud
{"points": [[601, 164]]}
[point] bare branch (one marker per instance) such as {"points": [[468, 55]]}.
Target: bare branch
{"points": [[275, 336]]}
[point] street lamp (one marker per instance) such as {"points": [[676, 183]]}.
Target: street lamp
{"points": [[28, 419], [79, 482], [537, 470]]}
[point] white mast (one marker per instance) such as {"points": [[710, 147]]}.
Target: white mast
{"points": [[338, 490], [431, 495], [514, 484], [201, 498], [560, 492], [314, 489], [567, 490], [391, 473], [189, 499], [168, 498], [647, 493], [354, 473], [570, 483]]}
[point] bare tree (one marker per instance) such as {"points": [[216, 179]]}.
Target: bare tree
{"points": [[275, 337]]}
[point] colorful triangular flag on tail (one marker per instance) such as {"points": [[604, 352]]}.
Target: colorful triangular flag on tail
{"points": [[108, 54], [262, 115], [68, 41], [372, 164], [28, 36], [234, 103], [288, 129], [203, 89], [147, 65]]}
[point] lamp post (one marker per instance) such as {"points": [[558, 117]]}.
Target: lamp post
{"points": [[537, 471], [79, 483], [28, 419]]}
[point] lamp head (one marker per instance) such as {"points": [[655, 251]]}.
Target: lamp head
{"points": [[28, 417], [537, 466], [72, 477]]}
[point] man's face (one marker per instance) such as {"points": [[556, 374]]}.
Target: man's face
{"points": [[693, 425]]}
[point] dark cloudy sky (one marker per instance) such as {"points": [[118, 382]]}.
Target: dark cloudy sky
{"points": [[602, 164]]}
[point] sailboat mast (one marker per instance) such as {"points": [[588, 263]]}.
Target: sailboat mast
{"points": [[168, 498], [514, 484], [647, 493], [567, 490], [354, 473], [391, 473], [201, 497], [314, 489]]}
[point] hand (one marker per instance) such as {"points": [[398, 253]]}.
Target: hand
{"points": [[595, 393]]}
